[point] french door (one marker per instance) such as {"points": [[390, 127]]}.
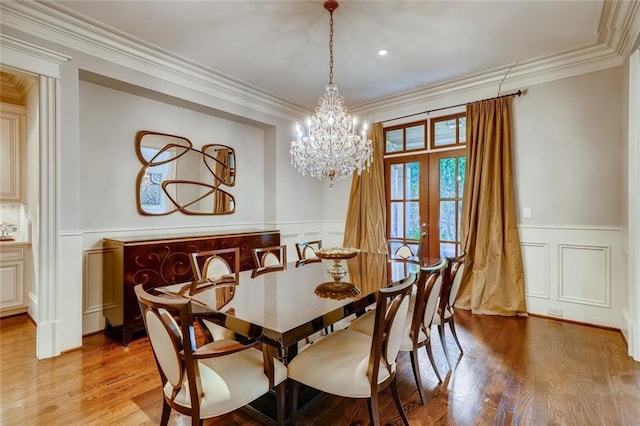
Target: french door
{"points": [[424, 201], [446, 185]]}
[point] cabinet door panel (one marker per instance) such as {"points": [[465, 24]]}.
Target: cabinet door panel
{"points": [[11, 288], [12, 134]]}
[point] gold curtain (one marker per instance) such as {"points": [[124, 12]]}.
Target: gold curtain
{"points": [[493, 279], [366, 218]]}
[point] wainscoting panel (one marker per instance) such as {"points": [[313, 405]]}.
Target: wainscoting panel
{"points": [[93, 298], [575, 273], [536, 257], [92, 318], [584, 274]]}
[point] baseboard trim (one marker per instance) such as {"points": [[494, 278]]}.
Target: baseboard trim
{"points": [[586, 324]]}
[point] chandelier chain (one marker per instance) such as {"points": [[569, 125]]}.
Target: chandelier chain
{"points": [[331, 47]]}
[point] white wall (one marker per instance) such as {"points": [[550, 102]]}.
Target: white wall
{"points": [[568, 141], [569, 165], [109, 120]]}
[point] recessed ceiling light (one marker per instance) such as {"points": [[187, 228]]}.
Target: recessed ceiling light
{"points": [[383, 52]]}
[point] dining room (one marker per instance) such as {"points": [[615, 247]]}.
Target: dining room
{"points": [[118, 116]]}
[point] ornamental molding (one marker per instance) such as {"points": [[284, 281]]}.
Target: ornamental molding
{"points": [[49, 22], [618, 36]]}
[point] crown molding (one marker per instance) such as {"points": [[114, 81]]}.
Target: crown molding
{"points": [[619, 26], [618, 33], [494, 82], [50, 22], [618, 36]]}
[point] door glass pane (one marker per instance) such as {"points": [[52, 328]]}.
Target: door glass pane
{"points": [[462, 129], [398, 270], [448, 220], [462, 164], [396, 220], [415, 137], [413, 220], [447, 177], [394, 245], [413, 180], [444, 132], [447, 250], [394, 140], [397, 173], [459, 219]]}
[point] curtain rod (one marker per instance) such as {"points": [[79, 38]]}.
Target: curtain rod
{"points": [[518, 93]]}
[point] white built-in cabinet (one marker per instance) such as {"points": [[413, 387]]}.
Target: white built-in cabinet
{"points": [[13, 255], [13, 278], [12, 136]]}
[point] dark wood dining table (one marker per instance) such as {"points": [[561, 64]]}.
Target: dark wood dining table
{"points": [[281, 308]]}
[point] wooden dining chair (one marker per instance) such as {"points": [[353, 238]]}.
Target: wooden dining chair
{"points": [[354, 365], [212, 268], [404, 251], [417, 329], [269, 259], [307, 252], [446, 305], [210, 380]]}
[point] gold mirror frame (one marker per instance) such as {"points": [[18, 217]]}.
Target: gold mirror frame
{"points": [[176, 177]]}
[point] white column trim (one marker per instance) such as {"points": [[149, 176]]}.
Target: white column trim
{"points": [[46, 335], [634, 205], [46, 63]]}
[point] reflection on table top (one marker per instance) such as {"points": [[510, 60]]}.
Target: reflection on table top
{"points": [[282, 308]]}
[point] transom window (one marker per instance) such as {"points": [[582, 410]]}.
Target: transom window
{"points": [[449, 130], [407, 137]]}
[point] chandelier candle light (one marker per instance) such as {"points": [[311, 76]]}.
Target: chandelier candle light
{"points": [[329, 147]]}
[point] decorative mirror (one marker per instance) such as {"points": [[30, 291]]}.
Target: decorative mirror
{"points": [[177, 177]]}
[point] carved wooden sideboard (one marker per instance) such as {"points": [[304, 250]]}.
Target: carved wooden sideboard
{"points": [[158, 261]]}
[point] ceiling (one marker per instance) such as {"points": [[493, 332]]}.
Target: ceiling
{"points": [[14, 86], [281, 47]]}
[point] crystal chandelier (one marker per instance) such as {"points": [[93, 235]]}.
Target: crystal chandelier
{"points": [[329, 146]]}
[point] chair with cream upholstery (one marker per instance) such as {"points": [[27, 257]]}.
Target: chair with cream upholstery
{"points": [[211, 268], [446, 306], [417, 329], [354, 365], [402, 250], [210, 380], [269, 259], [307, 252]]}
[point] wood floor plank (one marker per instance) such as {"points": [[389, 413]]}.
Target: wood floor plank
{"points": [[514, 371]]}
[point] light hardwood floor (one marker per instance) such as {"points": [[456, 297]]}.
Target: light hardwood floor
{"points": [[515, 371]]}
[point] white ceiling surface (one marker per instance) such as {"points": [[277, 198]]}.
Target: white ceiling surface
{"points": [[281, 47]]}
